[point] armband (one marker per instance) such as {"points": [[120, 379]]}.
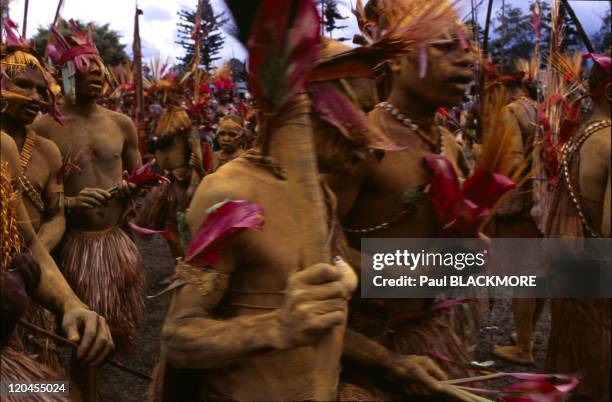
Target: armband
{"points": [[206, 280]]}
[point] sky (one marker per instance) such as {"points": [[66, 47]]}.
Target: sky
{"points": [[158, 24]]}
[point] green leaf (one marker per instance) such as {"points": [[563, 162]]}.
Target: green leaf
{"points": [[413, 194], [174, 285]]}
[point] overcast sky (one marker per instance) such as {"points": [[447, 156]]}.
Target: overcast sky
{"points": [[158, 24]]}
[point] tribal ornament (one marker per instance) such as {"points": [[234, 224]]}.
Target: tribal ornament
{"points": [[74, 53], [17, 55], [11, 239]]}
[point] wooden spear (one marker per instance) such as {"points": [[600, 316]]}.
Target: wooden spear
{"points": [[579, 28], [25, 18], [66, 342]]}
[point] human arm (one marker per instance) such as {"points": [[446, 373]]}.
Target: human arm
{"points": [[420, 375], [78, 322], [130, 156], [192, 337], [54, 223]]}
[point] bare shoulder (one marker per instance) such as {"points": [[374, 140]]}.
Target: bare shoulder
{"points": [[9, 153], [120, 119], [233, 181], [598, 145], [49, 150], [45, 126]]}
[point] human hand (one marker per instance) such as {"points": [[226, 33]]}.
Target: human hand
{"points": [[89, 198], [315, 301], [90, 331], [423, 378], [124, 187]]}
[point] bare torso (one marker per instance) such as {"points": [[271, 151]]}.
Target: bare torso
{"points": [[262, 262], [97, 143], [379, 199], [595, 174]]}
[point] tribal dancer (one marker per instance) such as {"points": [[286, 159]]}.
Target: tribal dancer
{"points": [[32, 87], [78, 322], [99, 259], [229, 137], [370, 200], [580, 330], [252, 335], [178, 152], [513, 218]]}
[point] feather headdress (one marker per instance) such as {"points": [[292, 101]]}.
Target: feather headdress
{"points": [[222, 78], [72, 53], [17, 54]]}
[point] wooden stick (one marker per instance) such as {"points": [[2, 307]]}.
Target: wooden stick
{"points": [[25, 18], [66, 342], [485, 45], [579, 28]]}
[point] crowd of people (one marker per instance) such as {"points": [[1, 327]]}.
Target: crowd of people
{"points": [[264, 199]]}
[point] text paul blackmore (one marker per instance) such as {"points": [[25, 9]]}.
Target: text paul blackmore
{"points": [[439, 263]]}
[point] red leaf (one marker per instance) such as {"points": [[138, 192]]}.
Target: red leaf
{"points": [[333, 107], [168, 235], [143, 176], [282, 51], [65, 169], [461, 210], [225, 221]]}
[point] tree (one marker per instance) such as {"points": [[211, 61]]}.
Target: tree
{"points": [[105, 39], [602, 40], [211, 40], [513, 35], [331, 17]]}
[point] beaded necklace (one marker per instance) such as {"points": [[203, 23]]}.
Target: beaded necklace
{"points": [[28, 187], [567, 154], [402, 118]]}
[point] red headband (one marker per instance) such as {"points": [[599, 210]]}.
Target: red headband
{"points": [[76, 51]]}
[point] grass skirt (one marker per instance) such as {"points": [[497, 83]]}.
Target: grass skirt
{"points": [[17, 367], [104, 270]]}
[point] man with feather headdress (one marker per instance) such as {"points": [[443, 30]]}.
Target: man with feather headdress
{"points": [[27, 89], [246, 325], [579, 338], [21, 274], [99, 147], [435, 73]]}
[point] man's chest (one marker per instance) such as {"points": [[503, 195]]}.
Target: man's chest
{"points": [[98, 141]]}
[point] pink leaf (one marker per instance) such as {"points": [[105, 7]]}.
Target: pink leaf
{"points": [[144, 231], [225, 221], [604, 61]]}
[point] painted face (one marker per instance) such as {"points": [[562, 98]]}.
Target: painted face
{"points": [[31, 83], [90, 83], [228, 140], [448, 75]]}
